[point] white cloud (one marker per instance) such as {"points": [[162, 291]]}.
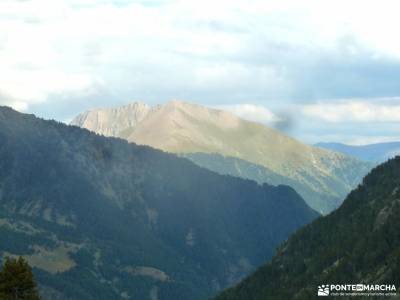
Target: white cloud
{"points": [[353, 111], [226, 50], [51, 46], [15, 104], [251, 112], [33, 65]]}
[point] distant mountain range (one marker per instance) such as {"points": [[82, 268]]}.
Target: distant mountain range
{"points": [[224, 143], [376, 153], [99, 218], [357, 243]]}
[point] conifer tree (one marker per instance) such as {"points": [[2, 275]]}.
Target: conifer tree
{"points": [[16, 281]]}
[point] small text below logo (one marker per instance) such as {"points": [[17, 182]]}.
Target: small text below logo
{"points": [[356, 289]]}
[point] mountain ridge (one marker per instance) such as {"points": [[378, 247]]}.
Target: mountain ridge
{"points": [[129, 115], [375, 153], [116, 220], [356, 244], [184, 128]]}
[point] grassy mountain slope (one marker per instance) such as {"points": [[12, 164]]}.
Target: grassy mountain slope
{"points": [[241, 168], [358, 243], [181, 127], [100, 218]]}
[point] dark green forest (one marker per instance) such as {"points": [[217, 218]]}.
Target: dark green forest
{"points": [[116, 220], [358, 243], [321, 199]]}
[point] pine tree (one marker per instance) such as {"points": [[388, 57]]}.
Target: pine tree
{"points": [[16, 281]]}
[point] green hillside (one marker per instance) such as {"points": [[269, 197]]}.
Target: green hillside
{"points": [[99, 218], [184, 128], [358, 243], [244, 169]]}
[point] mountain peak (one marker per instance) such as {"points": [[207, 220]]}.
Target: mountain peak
{"points": [[135, 105], [112, 121], [184, 127]]}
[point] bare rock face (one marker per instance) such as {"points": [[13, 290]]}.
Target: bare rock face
{"points": [[113, 121], [181, 127]]}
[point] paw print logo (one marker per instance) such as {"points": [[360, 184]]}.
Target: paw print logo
{"points": [[323, 290]]}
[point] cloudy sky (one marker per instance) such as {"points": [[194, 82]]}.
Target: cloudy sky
{"points": [[319, 70]]}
